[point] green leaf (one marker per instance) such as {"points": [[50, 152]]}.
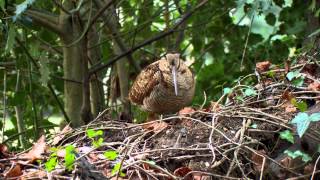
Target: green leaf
{"points": [[305, 157], [116, 169], [302, 122], [111, 155], [227, 91], [292, 74], [2, 4], [254, 126], [97, 143], [298, 82], [302, 106], [315, 117], [10, 40], [51, 164], [250, 92], [287, 135], [91, 133], [70, 157]]}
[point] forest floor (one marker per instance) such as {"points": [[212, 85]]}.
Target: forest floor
{"points": [[249, 133]]}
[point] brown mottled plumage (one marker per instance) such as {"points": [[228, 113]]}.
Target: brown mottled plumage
{"points": [[154, 89]]}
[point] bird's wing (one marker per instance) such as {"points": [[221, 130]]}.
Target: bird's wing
{"points": [[144, 83]]}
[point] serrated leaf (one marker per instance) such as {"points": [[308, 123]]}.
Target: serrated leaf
{"points": [[227, 91], [250, 92], [287, 135], [10, 39], [314, 117], [111, 155]]}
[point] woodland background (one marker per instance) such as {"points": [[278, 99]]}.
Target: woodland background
{"points": [[66, 61]]}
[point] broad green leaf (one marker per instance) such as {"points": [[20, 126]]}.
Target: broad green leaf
{"points": [[116, 169], [292, 74], [298, 82], [250, 92], [227, 91], [10, 40], [91, 133], [97, 143], [302, 106], [305, 157], [70, 157], [315, 117], [287, 135], [302, 122], [51, 164], [111, 154]]}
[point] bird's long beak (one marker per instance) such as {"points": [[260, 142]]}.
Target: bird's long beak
{"points": [[174, 77]]}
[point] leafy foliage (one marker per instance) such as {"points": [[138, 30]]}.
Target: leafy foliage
{"points": [[302, 120], [295, 154], [70, 157], [111, 155], [95, 136], [287, 135]]}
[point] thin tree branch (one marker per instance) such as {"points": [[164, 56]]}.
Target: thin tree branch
{"points": [[99, 67], [45, 19]]}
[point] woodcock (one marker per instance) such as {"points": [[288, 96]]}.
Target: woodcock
{"points": [[163, 87]]}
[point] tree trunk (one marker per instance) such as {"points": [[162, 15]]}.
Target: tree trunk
{"points": [[72, 65]]}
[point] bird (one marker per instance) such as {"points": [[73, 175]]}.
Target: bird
{"points": [[163, 87]]}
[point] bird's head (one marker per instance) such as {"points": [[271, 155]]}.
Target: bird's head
{"points": [[174, 64]]}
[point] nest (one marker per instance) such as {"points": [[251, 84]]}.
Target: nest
{"points": [[239, 139]]}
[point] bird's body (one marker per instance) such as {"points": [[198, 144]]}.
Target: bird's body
{"points": [[154, 89]]}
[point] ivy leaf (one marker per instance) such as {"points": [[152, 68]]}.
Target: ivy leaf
{"points": [[227, 91], [51, 164], [91, 133], [116, 169], [98, 142], [302, 106], [314, 117], [305, 157], [302, 122], [254, 126], [250, 92], [292, 74], [111, 155], [287, 135], [298, 82], [70, 157]]}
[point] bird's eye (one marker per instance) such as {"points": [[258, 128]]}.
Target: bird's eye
{"points": [[172, 63]]}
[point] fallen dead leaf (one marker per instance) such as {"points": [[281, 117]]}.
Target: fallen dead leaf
{"points": [[60, 135], [15, 171], [258, 160], [315, 86], [35, 174], [37, 149], [182, 171], [4, 153], [186, 111], [287, 66], [287, 95], [289, 108], [156, 126], [263, 66]]}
